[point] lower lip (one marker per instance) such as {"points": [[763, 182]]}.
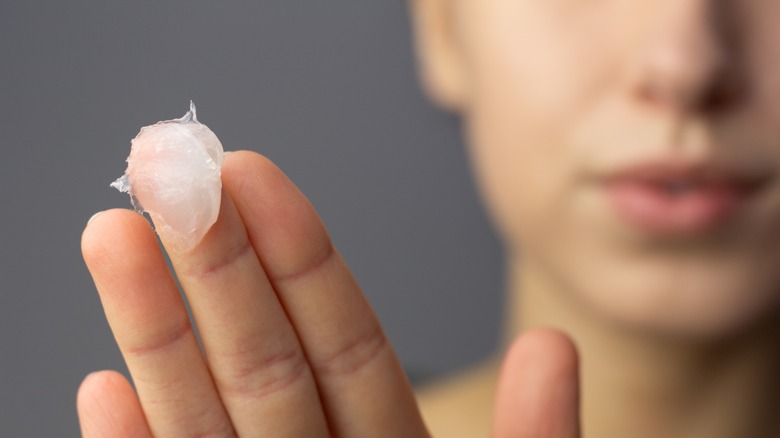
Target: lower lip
{"points": [[655, 209]]}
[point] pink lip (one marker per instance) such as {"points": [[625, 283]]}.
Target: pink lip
{"points": [[642, 195]]}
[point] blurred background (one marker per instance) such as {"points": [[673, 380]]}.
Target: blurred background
{"points": [[326, 89]]}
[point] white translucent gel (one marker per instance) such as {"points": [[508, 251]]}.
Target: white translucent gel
{"points": [[173, 173]]}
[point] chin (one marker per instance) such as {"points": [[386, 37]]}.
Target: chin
{"points": [[704, 305]]}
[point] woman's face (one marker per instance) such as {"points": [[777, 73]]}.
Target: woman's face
{"points": [[631, 149]]}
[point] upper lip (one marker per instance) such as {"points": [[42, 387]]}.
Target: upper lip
{"points": [[699, 173]]}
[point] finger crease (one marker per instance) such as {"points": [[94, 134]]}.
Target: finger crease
{"points": [[355, 356], [163, 341], [312, 266], [219, 429], [226, 260], [263, 378]]}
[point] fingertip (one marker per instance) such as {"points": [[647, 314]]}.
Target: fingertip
{"points": [[283, 226], [109, 234], [545, 348], [93, 217], [102, 227], [243, 168], [244, 158], [538, 391], [107, 406], [88, 387], [95, 384]]}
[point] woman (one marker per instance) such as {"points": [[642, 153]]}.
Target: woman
{"points": [[628, 153]]}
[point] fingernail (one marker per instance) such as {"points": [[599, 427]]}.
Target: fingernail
{"points": [[93, 217]]}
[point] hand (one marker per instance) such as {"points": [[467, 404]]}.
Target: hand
{"points": [[291, 347]]}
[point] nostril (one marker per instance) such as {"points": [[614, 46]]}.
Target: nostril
{"points": [[717, 94], [727, 92], [660, 93]]}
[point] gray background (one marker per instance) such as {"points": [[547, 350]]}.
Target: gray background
{"points": [[325, 88]]}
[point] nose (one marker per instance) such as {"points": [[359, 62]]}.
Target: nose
{"points": [[689, 61]]}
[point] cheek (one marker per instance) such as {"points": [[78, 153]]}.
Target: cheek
{"points": [[762, 62], [521, 181], [531, 84], [546, 103]]}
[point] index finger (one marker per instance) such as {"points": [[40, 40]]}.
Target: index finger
{"points": [[363, 388]]}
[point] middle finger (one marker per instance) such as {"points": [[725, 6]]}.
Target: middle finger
{"points": [[252, 349]]}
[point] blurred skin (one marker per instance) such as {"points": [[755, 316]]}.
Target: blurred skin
{"points": [[558, 95], [676, 335]]}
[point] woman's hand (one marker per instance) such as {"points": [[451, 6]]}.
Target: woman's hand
{"points": [[292, 347]]}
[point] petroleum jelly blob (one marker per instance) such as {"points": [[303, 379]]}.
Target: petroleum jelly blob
{"points": [[173, 173]]}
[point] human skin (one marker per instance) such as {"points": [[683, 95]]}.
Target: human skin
{"points": [[554, 95], [292, 348], [558, 95], [676, 331]]}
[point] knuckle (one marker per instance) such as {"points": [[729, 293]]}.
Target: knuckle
{"points": [[317, 258], [222, 261], [247, 375], [353, 356], [160, 340]]}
